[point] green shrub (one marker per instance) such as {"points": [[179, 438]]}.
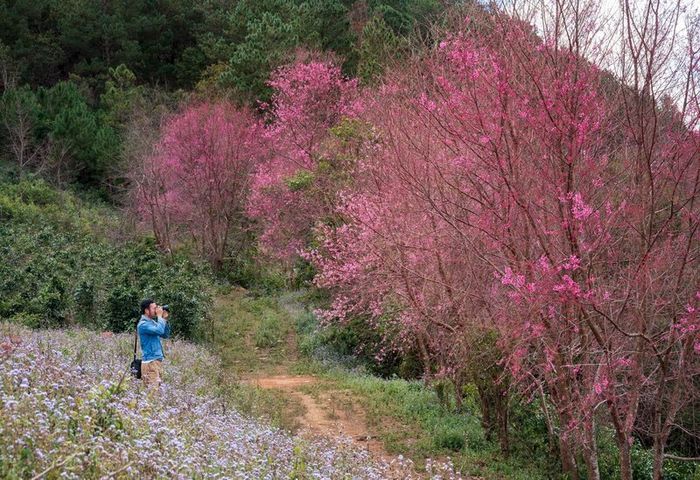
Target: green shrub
{"points": [[301, 180], [449, 439], [410, 367], [58, 269], [642, 461], [528, 432], [245, 268], [444, 391], [30, 320], [36, 192]]}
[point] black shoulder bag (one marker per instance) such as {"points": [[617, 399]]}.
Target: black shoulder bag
{"points": [[136, 363]]}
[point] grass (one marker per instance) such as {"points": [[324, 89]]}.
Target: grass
{"points": [[270, 331], [250, 337], [276, 335], [409, 420]]}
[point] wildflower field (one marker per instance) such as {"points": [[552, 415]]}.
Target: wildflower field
{"points": [[462, 236], [69, 411]]}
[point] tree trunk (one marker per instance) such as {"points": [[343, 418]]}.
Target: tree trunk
{"points": [[590, 451], [459, 403], [625, 458], [658, 458], [503, 435], [486, 412], [551, 436], [568, 462]]}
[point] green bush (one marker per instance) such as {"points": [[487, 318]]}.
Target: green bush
{"points": [[351, 344], [301, 180], [245, 268], [58, 269], [449, 439]]}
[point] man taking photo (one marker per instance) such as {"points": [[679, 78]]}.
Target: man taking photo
{"points": [[151, 328]]}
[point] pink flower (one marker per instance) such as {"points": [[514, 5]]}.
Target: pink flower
{"points": [[512, 278], [579, 209], [601, 385]]}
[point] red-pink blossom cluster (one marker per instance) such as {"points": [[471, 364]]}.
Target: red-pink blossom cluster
{"points": [[511, 190], [196, 183], [288, 193]]}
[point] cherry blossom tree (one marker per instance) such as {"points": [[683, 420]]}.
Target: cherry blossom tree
{"points": [[294, 186], [518, 184], [196, 182]]}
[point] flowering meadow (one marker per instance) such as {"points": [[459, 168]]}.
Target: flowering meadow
{"points": [[503, 207], [70, 411]]}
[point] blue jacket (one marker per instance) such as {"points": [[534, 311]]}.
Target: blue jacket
{"points": [[150, 332]]}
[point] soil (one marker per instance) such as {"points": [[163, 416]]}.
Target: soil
{"points": [[332, 413]]}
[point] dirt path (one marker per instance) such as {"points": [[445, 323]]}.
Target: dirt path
{"points": [[305, 404], [330, 413]]}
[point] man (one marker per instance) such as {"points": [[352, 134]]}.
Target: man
{"points": [[151, 328]]}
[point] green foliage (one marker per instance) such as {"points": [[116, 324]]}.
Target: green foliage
{"points": [[528, 433], [75, 129], [449, 439], [249, 331], [77, 144], [50, 40], [232, 331], [266, 46], [17, 102], [420, 420], [410, 367], [402, 16], [642, 461], [300, 180], [351, 345], [408, 417], [269, 332], [386, 36], [140, 271], [267, 32], [352, 130], [59, 270], [300, 469], [19, 118], [172, 42], [247, 269], [351, 138], [120, 97], [378, 45]]}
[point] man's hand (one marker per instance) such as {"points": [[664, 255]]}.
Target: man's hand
{"points": [[159, 311]]}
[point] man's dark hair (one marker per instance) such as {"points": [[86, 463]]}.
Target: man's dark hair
{"points": [[145, 304]]}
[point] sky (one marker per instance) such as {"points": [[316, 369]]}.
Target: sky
{"points": [[606, 33]]}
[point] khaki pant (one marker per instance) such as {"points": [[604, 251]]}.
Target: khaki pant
{"points": [[151, 373]]}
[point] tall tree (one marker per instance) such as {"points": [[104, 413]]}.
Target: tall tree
{"points": [[515, 159], [196, 182], [295, 185]]}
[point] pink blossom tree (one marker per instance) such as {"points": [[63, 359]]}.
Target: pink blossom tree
{"points": [[294, 186], [519, 161], [196, 182]]}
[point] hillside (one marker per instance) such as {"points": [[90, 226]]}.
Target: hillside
{"points": [[70, 410], [464, 233], [69, 261]]}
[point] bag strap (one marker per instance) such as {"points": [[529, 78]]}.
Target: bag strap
{"points": [[136, 337]]}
